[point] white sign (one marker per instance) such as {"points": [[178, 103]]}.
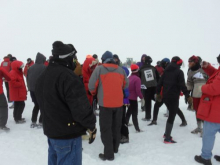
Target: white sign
{"points": [[149, 75]]}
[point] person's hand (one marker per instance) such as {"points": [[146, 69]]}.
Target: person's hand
{"points": [[92, 135], [204, 64], [158, 98], [189, 100], [142, 103]]}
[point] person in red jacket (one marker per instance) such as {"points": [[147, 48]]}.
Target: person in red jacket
{"points": [[159, 68], [6, 64], [17, 89], [29, 63], [3, 103], [209, 111], [88, 67]]}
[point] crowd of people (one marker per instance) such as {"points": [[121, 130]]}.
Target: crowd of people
{"points": [[65, 95]]}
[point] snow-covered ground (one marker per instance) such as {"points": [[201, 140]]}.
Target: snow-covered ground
{"points": [[26, 146]]}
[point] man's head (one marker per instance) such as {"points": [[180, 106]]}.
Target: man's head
{"points": [[177, 60], [193, 60], [29, 60], [164, 62], [158, 63], [94, 56], [61, 50], [107, 57], [148, 60], [116, 59], [218, 58]]}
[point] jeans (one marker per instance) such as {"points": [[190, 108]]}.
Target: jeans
{"points": [[208, 138], [65, 151]]}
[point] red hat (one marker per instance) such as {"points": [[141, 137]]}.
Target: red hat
{"points": [[193, 59], [134, 67]]}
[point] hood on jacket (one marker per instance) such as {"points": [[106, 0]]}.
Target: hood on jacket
{"points": [[16, 65], [40, 58], [6, 59], [144, 55]]}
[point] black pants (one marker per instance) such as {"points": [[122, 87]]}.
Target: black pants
{"points": [[157, 106], [3, 110], [133, 110], [36, 109], [110, 120], [173, 107], [18, 110], [148, 96], [7, 89], [124, 126]]}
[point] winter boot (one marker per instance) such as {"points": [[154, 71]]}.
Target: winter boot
{"points": [[217, 158], [12, 106], [102, 157], [33, 125], [124, 139], [40, 125], [197, 130], [169, 141], [20, 121], [4, 128], [152, 123], [199, 159], [184, 123]]}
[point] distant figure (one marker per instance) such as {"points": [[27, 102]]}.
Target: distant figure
{"points": [[141, 63], [29, 63], [159, 68]]}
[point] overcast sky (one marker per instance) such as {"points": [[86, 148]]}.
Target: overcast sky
{"points": [[129, 28]]}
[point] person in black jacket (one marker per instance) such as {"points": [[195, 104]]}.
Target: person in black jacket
{"points": [[149, 79], [173, 83], [65, 108]]}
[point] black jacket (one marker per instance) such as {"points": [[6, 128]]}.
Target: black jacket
{"points": [[173, 82], [35, 71], [65, 108]]}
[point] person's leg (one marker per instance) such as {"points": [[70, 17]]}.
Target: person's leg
{"points": [[128, 115], [52, 156], [105, 122], [3, 111], [208, 138], [20, 109], [182, 117], [16, 109], [134, 111], [124, 126], [116, 127], [157, 106], [147, 99]]}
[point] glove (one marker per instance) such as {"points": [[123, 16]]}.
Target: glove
{"points": [[158, 98], [189, 100], [92, 135], [126, 101], [142, 103]]}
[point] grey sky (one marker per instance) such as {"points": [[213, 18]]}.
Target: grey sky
{"points": [[129, 28]]}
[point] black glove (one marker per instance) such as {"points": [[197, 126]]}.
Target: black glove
{"points": [[92, 135]]}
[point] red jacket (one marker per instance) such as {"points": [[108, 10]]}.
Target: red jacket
{"points": [[159, 69], [209, 107], [17, 88], [6, 64], [3, 74], [27, 66]]}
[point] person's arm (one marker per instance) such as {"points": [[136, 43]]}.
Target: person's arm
{"points": [[181, 83], [208, 68], [94, 81], [212, 89], [5, 74], [15, 81], [189, 83], [138, 88], [78, 103], [160, 84]]}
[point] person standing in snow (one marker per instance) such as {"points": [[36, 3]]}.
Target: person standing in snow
{"points": [[65, 108], [209, 111], [158, 103], [135, 91], [196, 78], [173, 83], [32, 75], [149, 79], [29, 63], [108, 81], [18, 91], [3, 103]]}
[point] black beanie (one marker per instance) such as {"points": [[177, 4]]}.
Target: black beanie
{"points": [[60, 48], [177, 60], [148, 60]]}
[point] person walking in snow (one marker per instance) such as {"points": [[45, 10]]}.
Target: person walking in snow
{"points": [[196, 78], [65, 108], [32, 75], [135, 91], [209, 111], [18, 91], [149, 79], [3, 103], [173, 83], [108, 81]]}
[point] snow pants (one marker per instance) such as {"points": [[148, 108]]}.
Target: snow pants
{"points": [[110, 120], [65, 151], [36, 109], [3, 110], [124, 126], [148, 97], [18, 110], [133, 110]]}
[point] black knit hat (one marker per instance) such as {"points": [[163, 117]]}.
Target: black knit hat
{"points": [[148, 60], [107, 55], [60, 48], [177, 60]]}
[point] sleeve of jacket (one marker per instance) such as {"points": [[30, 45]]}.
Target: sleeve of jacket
{"points": [[138, 88], [94, 81], [78, 103], [126, 81], [14, 81], [212, 89], [209, 70], [157, 75], [189, 83], [5, 74], [182, 83], [160, 84]]}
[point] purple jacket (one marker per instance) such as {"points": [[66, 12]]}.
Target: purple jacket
{"points": [[134, 87], [140, 64]]}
